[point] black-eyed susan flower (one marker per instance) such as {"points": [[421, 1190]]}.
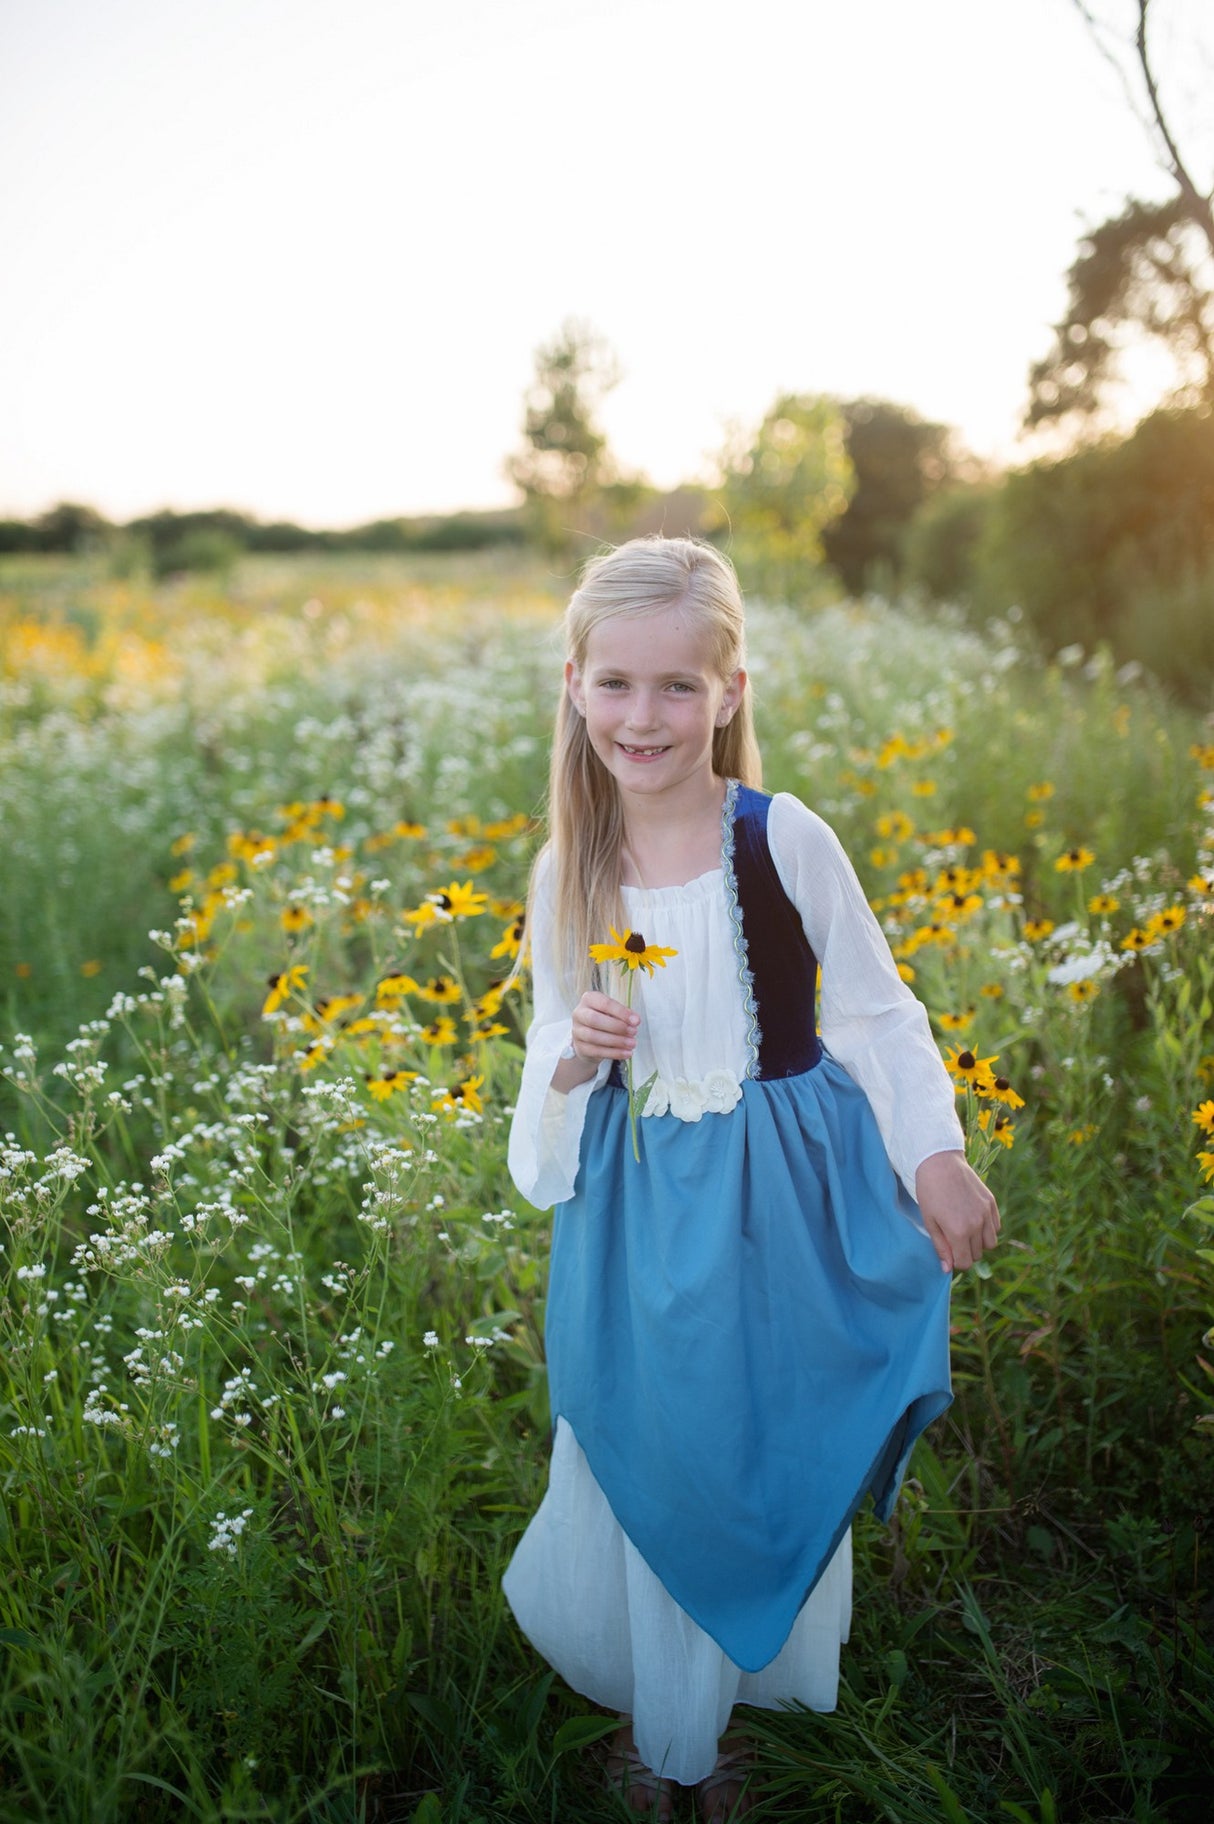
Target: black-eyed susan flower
{"points": [[464, 826], [965, 1066], [477, 859], [330, 1007], [882, 858], [894, 826], [181, 845], [389, 1083], [1073, 861], [1203, 884], [1035, 929], [295, 918], [489, 1003], [631, 952], [314, 1054], [440, 1032], [1163, 924], [1082, 992], [442, 990], [286, 982], [997, 1125], [1136, 940], [506, 908], [992, 991], [1079, 1136], [223, 874], [1206, 1162], [1203, 753], [1203, 1117], [906, 971], [957, 1022], [181, 880], [1103, 905], [427, 914], [1001, 1091], [508, 943], [408, 830], [924, 788], [462, 899], [1033, 820], [1038, 793], [393, 986], [494, 1030], [465, 1095]]}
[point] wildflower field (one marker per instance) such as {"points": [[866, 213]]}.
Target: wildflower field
{"points": [[272, 1394]]}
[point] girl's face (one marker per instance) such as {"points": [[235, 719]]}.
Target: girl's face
{"points": [[652, 699]]}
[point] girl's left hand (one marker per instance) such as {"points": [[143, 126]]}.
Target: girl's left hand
{"points": [[958, 1210]]}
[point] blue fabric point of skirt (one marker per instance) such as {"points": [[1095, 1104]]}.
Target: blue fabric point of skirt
{"points": [[746, 1333]]}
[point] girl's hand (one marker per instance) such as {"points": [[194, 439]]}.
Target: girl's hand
{"points": [[603, 1028], [958, 1211]]}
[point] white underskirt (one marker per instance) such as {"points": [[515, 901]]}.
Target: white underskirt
{"points": [[587, 1600]]}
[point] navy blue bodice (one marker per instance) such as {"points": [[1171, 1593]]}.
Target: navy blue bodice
{"points": [[780, 970]]}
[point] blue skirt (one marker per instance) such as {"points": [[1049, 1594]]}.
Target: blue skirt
{"points": [[746, 1332]]}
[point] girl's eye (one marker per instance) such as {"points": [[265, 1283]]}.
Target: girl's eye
{"points": [[688, 689], [612, 684]]}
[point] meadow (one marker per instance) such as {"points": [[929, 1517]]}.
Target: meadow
{"points": [[272, 1394]]}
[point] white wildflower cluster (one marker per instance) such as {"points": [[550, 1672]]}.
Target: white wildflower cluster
{"points": [[127, 1209], [240, 1392], [165, 1439], [145, 1365], [227, 1530], [1088, 961], [62, 1166], [102, 1410]]}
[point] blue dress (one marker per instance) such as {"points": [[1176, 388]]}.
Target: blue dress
{"points": [[747, 1330]]}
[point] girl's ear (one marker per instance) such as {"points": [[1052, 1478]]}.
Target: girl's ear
{"points": [[733, 696], [573, 684]]}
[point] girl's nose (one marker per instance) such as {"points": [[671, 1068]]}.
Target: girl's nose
{"points": [[642, 712]]}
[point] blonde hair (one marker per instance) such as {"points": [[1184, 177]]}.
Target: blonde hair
{"points": [[585, 818]]}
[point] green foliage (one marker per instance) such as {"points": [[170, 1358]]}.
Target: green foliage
{"points": [[1146, 272], [900, 462], [1111, 546], [564, 462], [781, 486]]}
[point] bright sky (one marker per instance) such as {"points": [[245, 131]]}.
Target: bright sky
{"points": [[295, 256]]}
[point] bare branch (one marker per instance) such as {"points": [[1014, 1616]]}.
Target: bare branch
{"points": [[1198, 203]]}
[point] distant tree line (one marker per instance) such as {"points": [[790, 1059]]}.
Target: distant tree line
{"points": [[213, 539]]}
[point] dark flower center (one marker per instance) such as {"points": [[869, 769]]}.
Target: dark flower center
{"points": [[1002, 1083], [966, 1060], [635, 942]]}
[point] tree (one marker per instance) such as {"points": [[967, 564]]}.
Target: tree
{"points": [[564, 463], [1148, 270], [899, 461], [781, 486]]}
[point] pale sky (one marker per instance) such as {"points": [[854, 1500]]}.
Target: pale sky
{"points": [[295, 256]]}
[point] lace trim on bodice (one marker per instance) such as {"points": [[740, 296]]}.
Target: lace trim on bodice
{"points": [[754, 1036]]}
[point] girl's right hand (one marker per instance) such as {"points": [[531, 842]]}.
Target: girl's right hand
{"points": [[603, 1028]]}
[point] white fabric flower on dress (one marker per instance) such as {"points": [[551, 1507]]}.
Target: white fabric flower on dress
{"points": [[690, 1100], [722, 1091]]}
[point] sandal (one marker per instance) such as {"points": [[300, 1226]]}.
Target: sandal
{"points": [[725, 1794], [627, 1774]]}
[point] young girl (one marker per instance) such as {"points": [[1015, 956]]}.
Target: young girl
{"points": [[748, 1328]]}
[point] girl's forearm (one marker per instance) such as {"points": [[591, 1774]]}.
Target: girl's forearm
{"points": [[572, 1071]]}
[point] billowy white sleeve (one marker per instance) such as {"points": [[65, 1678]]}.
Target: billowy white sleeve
{"points": [[871, 1023], [546, 1130]]}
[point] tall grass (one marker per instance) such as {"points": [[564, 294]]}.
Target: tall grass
{"points": [[273, 1399]]}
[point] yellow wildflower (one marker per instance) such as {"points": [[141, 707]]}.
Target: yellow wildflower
{"points": [[1074, 861]]}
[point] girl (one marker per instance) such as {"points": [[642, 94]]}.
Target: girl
{"points": [[748, 1328]]}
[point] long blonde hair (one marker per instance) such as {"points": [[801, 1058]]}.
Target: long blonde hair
{"points": [[585, 818]]}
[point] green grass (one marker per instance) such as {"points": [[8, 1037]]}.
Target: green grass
{"points": [[241, 1282]]}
